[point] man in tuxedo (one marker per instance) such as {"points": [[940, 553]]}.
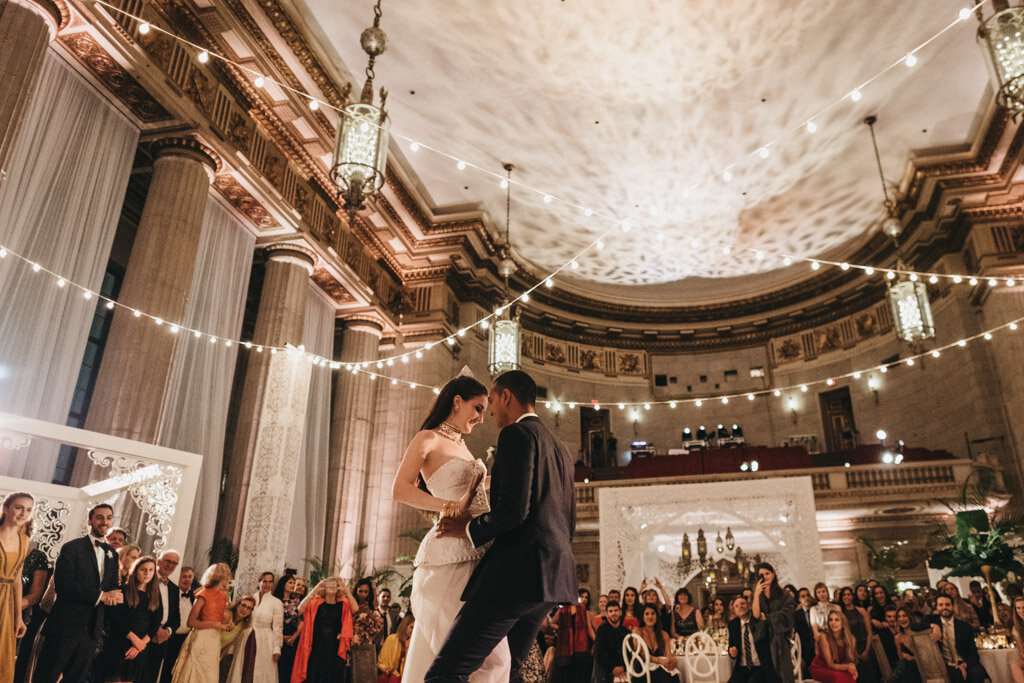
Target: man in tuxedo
{"points": [[749, 647], [85, 580], [529, 568], [802, 624], [170, 615], [956, 642], [887, 637], [608, 645], [186, 597]]}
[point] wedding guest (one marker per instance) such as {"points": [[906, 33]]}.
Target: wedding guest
{"points": [[880, 600], [391, 661], [835, 661], [858, 623], [912, 603], [200, 653], [327, 633], [956, 642], [170, 612], [888, 637], [85, 579], [126, 556], [686, 620], [116, 537], [630, 608], [574, 636], [238, 626], [584, 602], [658, 597], [261, 646], [615, 595], [862, 595], [961, 609], [286, 592], [131, 626], [718, 617], [793, 592], [602, 605], [608, 663], [775, 607], [906, 670], [35, 572], [821, 608], [15, 529], [186, 597], [395, 610], [978, 599], [384, 610], [749, 646], [663, 667], [367, 624], [1017, 630], [803, 625]]}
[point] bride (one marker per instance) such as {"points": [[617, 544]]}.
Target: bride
{"points": [[436, 474]]}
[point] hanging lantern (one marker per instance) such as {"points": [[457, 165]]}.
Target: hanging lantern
{"points": [[702, 546], [1001, 37], [360, 149], [719, 544], [911, 311], [503, 346], [730, 542]]}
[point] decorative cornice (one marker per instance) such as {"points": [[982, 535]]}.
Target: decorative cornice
{"points": [[334, 289], [186, 146]]}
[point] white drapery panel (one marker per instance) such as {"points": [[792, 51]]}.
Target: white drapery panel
{"points": [[309, 518], [59, 206], [195, 408]]}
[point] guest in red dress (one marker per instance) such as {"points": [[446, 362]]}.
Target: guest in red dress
{"points": [[834, 661]]}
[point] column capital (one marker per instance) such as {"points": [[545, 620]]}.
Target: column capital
{"points": [[54, 12], [366, 324], [295, 254], [186, 147]]}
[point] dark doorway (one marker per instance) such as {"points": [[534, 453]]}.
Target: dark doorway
{"points": [[595, 428], [837, 418]]}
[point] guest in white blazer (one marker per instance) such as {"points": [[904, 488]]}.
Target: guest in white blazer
{"points": [[258, 649]]}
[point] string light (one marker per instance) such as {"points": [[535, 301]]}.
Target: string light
{"points": [[259, 81], [910, 60], [144, 28], [812, 127], [204, 57], [855, 95]]}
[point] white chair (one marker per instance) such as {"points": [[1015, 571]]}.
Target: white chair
{"points": [[796, 652], [635, 654], [701, 654]]}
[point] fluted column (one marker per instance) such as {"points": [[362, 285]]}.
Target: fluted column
{"points": [[26, 29], [136, 365], [353, 410], [257, 504]]}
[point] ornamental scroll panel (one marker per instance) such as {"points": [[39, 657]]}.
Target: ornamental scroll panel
{"points": [[774, 518], [153, 488], [601, 360]]}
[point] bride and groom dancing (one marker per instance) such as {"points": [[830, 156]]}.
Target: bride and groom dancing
{"points": [[478, 608]]}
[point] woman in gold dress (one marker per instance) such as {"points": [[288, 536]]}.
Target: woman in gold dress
{"points": [[15, 528]]}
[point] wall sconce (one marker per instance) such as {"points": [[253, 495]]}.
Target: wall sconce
{"points": [[874, 385], [792, 409], [557, 407]]}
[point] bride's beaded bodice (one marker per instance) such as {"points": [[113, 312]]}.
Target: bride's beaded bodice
{"points": [[450, 481]]}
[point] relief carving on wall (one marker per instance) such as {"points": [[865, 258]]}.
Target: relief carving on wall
{"points": [[838, 335], [244, 202], [574, 356], [114, 77]]}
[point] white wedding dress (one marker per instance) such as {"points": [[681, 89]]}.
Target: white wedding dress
{"points": [[443, 566]]}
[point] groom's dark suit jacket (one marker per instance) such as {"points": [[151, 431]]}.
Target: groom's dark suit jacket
{"points": [[532, 520]]}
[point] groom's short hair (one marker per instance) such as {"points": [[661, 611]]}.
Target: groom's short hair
{"points": [[520, 384]]}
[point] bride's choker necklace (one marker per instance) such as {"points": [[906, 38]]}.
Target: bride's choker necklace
{"points": [[449, 432]]}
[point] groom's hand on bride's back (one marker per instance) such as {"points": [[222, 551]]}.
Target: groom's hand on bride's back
{"points": [[455, 526]]}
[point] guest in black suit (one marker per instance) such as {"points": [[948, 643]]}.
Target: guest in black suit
{"points": [[749, 646], [530, 567], [608, 645], [170, 613], [802, 621], [85, 579], [956, 641]]}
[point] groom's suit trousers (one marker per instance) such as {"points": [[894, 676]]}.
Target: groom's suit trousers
{"points": [[478, 629]]}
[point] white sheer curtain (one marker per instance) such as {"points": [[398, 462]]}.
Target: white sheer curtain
{"points": [[309, 518], [195, 408], [59, 206]]}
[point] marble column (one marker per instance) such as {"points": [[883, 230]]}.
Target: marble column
{"points": [[136, 365], [26, 29], [257, 504], [353, 412]]}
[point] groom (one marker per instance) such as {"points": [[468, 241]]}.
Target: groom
{"points": [[530, 567]]}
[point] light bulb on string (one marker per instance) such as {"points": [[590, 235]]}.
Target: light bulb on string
{"points": [[890, 275], [992, 282], [935, 353], [913, 277], [763, 152], [869, 271], [391, 362], [451, 341], [725, 399], [600, 244], [973, 281], [965, 14], [698, 403], [574, 265], [844, 266], [203, 57], [259, 82], [414, 146], [484, 324], [787, 261], [811, 127], [777, 393], [910, 60], [962, 342], [1011, 282], [110, 305], [36, 267], [803, 387], [3, 252], [314, 105], [144, 28], [988, 336], [1013, 326], [750, 397], [672, 404], [957, 279], [855, 95], [61, 282], [503, 184], [726, 175], [549, 283], [910, 361], [525, 297], [856, 375], [588, 212], [933, 279], [547, 199], [174, 329], [815, 265], [626, 226]]}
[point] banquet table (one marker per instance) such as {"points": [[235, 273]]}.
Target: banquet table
{"points": [[724, 670], [997, 663]]}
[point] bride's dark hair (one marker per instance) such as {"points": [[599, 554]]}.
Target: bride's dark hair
{"points": [[464, 387]]}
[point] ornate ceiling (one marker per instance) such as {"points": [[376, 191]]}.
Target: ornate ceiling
{"points": [[622, 106]]}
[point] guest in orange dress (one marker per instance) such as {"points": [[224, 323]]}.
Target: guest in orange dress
{"points": [[15, 527]]}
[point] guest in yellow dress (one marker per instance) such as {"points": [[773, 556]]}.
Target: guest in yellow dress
{"points": [[391, 661], [15, 526]]}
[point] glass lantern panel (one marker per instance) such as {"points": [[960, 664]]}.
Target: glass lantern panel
{"points": [[503, 346], [911, 311], [360, 150], [1003, 35]]}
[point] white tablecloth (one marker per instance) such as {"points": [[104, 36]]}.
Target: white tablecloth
{"points": [[997, 663], [724, 669]]}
